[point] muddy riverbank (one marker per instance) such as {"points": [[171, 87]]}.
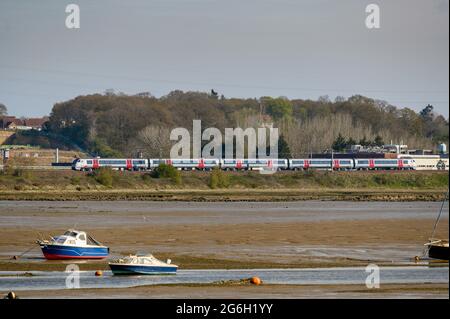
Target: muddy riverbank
{"points": [[228, 234]]}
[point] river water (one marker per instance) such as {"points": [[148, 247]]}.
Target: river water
{"points": [[51, 280]]}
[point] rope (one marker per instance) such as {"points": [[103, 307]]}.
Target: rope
{"points": [[33, 247]]}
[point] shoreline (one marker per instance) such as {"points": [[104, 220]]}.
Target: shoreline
{"points": [[227, 195], [264, 291]]}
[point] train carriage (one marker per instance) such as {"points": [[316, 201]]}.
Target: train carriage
{"points": [[321, 163], [192, 164], [89, 164], [233, 164], [267, 164], [385, 164], [254, 164]]}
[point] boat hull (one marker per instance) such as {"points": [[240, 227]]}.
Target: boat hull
{"points": [[438, 252], [142, 270], [72, 252]]}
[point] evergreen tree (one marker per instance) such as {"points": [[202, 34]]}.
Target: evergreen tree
{"points": [[339, 143], [283, 148]]}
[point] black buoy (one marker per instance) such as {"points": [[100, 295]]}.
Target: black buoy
{"points": [[11, 295]]}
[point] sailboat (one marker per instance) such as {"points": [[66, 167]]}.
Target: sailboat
{"points": [[438, 248]]}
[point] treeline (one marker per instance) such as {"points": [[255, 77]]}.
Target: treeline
{"points": [[122, 125]]}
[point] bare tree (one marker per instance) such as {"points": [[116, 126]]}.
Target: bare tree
{"points": [[156, 140]]}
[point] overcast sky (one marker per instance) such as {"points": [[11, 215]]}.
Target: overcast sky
{"points": [[241, 48]]}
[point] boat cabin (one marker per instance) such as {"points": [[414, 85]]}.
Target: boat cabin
{"points": [[71, 238]]}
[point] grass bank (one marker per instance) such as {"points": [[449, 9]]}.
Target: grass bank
{"points": [[215, 186]]}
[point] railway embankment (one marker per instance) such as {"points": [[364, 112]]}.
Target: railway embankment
{"points": [[223, 186]]}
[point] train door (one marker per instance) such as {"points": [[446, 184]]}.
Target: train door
{"points": [[129, 164], [371, 164], [336, 164], [201, 165], [95, 164], [306, 164], [400, 164]]}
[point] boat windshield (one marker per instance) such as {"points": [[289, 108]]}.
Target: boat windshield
{"points": [[70, 233]]}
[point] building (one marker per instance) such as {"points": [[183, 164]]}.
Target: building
{"points": [[13, 123], [35, 123]]}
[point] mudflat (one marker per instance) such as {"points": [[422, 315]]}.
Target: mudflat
{"points": [[227, 234], [439, 291]]}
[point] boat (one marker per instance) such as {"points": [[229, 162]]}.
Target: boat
{"points": [[142, 265], [438, 249], [73, 244]]}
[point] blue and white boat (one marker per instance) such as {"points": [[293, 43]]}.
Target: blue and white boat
{"points": [[142, 265], [73, 244]]}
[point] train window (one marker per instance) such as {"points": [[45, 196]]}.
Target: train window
{"points": [[363, 162], [320, 162], [298, 162], [89, 162]]}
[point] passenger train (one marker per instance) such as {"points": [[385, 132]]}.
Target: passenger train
{"points": [[134, 164]]}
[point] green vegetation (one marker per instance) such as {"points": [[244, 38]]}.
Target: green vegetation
{"points": [[110, 125], [219, 179], [279, 108], [228, 184], [341, 143], [167, 171], [104, 176]]}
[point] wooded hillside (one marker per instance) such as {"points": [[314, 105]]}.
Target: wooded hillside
{"points": [[117, 124]]}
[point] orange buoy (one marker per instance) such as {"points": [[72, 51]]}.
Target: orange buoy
{"points": [[99, 273], [255, 281]]}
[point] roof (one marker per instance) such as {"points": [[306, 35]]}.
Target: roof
{"points": [[35, 122], [14, 121]]}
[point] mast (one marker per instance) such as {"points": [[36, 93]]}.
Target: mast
{"points": [[439, 216]]}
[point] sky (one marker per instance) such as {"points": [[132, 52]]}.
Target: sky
{"points": [[240, 48]]}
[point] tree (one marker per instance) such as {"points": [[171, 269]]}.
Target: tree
{"points": [[279, 108], [339, 143], [156, 140], [378, 141], [427, 112], [3, 109], [364, 141], [351, 142], [283, 148]]}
